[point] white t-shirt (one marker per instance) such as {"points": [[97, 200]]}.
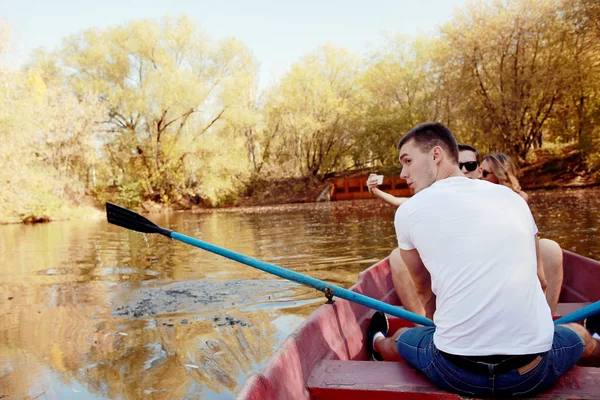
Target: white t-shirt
{"points": [[477, 240]]}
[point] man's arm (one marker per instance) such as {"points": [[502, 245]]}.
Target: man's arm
{"points": [[421, 278], [540, 265]]}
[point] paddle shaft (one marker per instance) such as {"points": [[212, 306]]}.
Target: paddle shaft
{"points": [[306, 280], [349, 295], [130, 220]]}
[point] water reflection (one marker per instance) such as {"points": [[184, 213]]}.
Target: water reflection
{"points": [[95, 311], [571, 217]]}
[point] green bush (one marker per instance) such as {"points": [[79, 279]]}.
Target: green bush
{"points": [[130, 194]]}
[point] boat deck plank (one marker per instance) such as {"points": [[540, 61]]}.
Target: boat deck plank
{"points": [[335, 379]]}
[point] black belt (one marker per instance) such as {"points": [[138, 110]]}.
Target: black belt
{"points": [[496, 364]]}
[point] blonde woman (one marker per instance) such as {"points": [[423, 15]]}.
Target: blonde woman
{"points": [[499, 168]]}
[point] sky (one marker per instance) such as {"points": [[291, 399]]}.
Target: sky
{"points": [[278, 32]]}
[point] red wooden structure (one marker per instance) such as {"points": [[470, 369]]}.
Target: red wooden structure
{"points": [[356, 188]]}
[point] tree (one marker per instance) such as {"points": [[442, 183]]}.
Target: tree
{"points": [[258, 127], [580, 111], [404, 90], [166, 85], [67, 125], [314, 106], [44, 129], [511, 57]]}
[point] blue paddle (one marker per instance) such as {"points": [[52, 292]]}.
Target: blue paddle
{"points": [[580, 315], [130, 220]]}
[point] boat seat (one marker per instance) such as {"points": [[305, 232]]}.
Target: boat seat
{"points": [[349, 380]]}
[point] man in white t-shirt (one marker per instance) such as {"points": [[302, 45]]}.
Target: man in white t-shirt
{"points": [[469, 162], [471, 249]]}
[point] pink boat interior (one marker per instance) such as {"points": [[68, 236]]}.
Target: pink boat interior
{"points": [[325, 358]]}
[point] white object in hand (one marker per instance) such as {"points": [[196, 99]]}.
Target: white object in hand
{"points": [[379, 179]]}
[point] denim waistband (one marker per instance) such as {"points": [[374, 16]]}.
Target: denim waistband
{"points": [[496, 365]]}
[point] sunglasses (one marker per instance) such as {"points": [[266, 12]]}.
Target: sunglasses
{"points": [[486, 173], [469, 165]]}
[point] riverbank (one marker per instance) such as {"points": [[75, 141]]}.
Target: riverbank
{"points": [[566, 169], [63, 214], [546, 170]]}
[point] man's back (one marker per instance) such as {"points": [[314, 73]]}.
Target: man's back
{"points": [[477, 240]]}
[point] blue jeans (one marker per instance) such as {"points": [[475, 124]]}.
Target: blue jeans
{"points": [[417, 348]]}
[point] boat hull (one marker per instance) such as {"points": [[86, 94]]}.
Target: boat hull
{"points": [[337, 332]]}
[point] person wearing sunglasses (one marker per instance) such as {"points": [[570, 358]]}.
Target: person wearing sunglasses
{"points": [[469, 161]]}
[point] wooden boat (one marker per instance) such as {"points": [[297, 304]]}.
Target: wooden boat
{"points": [[325, 358]]}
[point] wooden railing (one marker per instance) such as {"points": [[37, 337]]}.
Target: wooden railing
{"points": [[356, 188]]}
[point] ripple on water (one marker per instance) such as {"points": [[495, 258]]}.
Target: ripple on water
{"points": [[191, 297]]}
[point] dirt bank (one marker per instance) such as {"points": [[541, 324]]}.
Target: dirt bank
{"points": [[565, 170]]}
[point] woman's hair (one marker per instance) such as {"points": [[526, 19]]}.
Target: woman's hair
{"points": [[504, 169]]}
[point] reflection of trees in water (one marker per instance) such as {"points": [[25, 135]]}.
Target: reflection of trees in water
{"points": [[323, 242], [129, 358], [569, 216], [17, 377], [40, 337]]}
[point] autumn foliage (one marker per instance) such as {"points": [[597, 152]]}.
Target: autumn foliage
{"points": [[158, 111]]}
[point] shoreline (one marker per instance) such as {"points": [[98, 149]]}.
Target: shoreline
{"points": [[257, 208]]}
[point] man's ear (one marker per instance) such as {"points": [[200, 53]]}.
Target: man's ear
{"points": [[437, 153]]}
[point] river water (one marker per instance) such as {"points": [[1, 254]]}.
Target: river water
{"points": [[89, 310]]}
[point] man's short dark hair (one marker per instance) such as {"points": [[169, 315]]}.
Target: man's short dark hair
{"points": [[466, 147], [430, 134]]}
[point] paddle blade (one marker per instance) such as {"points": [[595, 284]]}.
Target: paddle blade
{"points": [[130, 220]]}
